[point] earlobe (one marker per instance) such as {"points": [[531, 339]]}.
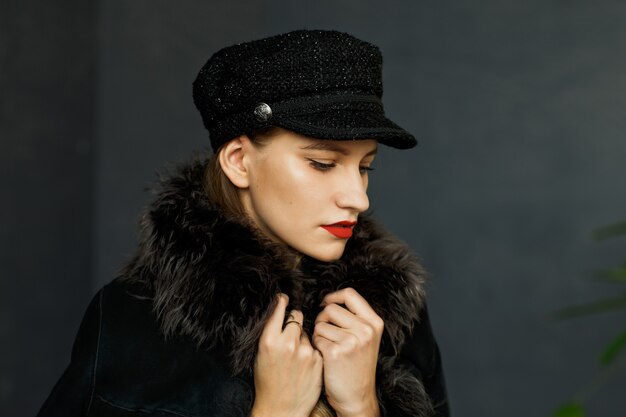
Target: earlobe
{"points": [[232, 160]]}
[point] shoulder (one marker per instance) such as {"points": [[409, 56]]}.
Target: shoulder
{"points": [[76, 391], [125, 304], [119, 313], [133, 352], [128, 323]]}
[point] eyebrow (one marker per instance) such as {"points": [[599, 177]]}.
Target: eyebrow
{"points": [[330, 146]]}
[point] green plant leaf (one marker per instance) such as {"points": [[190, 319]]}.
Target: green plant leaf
{"points": [[612, 230], [569, 410], [613, 348], [612, 275], [600, 306]]}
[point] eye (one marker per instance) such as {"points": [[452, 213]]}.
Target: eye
{"points": [[365, 169], [320, 166]]}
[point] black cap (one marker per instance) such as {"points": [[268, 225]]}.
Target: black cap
{"points": [[322, 84]]}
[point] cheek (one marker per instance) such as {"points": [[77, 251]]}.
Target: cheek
{"points": [[293, 181], [310, 190], [279, 180], [290, 188], [282, 184]]}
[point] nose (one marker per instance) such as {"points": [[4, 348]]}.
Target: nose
{"points": [[353, 193]]}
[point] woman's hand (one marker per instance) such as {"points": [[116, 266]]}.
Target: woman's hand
{"points": [[349, 339], [287, 370]]}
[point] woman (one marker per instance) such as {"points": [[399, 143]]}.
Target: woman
{"points": [[260, 286]]}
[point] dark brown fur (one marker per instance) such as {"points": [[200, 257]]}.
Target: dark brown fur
{"points": [[215, 279]]}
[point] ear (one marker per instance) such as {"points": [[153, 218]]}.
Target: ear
{"points": [[233, 158]]}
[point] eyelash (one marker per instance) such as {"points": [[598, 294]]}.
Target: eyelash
{"points": [[325, 167]]}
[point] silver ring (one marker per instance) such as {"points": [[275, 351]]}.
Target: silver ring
{"points": [[293, 321]]}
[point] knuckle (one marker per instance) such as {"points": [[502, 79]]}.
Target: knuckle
{"points": [[266, 343], [289, 347], [379, 324], [318, 342], [282, 301], [369, 332], [305, 353], [331, 308], [352, 342], [334, 353], [351, 293], [297, 315]]}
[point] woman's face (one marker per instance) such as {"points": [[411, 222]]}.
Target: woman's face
{"points": [[300, 186]]}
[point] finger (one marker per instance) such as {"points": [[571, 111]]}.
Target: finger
{"points": [[319, 363], [318, 360], [330, 332], [353, 301], [304, 339], [294, 329], [322, 344], [275, 322], [339, 316]]}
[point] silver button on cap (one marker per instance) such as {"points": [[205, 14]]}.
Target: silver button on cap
{"points": [[262, 112]]}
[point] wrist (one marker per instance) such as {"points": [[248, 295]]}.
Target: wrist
{"points": [[369, 408], [365, 413], [257, 411]]}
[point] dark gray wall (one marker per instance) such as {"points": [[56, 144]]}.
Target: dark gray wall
{"points": [[518, 107], [47, 84]]}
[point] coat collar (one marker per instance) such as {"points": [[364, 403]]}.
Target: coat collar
{"points": [[213, 278]]}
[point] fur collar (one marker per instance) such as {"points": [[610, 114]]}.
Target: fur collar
{"points": [[214, 279]]}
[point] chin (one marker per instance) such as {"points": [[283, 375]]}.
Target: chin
{"points": [[330, 255]]}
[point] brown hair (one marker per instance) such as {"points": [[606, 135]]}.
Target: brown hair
{"points": [[220, 190], [224, 194]]}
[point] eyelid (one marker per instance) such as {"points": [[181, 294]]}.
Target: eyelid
{"points": [[321, 165]]}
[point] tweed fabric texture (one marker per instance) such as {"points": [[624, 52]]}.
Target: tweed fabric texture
{"points": [[322, 84]]}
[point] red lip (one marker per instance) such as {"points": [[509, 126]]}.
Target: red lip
{"points": [[342, 229]]}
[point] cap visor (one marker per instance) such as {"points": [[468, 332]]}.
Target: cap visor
{"points": [[348, 125]]}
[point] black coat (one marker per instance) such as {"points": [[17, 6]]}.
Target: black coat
{"points": [[176, 333]]}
